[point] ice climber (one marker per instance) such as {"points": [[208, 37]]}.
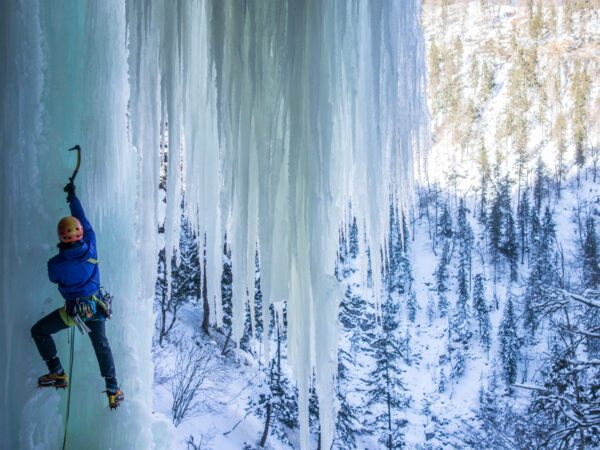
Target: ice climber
{"points": [[75, 270]]}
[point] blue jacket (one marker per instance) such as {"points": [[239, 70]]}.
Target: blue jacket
{"points": [[75, 275]]}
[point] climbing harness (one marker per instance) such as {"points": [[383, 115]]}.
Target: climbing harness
{"points": [[72, 339]]}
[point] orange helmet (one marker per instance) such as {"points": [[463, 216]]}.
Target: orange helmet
{"points": [[69, 229]]}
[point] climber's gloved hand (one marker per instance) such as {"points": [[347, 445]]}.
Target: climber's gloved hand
{"points": [[70, 190]]}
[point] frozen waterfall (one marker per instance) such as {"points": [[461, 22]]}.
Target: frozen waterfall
{"points": [[279, 114]]}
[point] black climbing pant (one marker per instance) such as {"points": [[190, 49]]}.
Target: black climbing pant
{"points": [[42, 333]]}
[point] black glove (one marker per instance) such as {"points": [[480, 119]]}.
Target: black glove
{"points": [[70, 190]]}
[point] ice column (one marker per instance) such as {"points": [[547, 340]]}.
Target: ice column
{"points": [[65, 79]]}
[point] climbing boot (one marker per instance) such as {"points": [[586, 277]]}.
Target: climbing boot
{"points": [[53, 379], [115, 397]]}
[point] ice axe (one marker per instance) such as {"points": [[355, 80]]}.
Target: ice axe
{"points": [[78, 148]]}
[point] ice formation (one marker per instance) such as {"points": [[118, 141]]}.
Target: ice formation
{"points": [[278, 113]]}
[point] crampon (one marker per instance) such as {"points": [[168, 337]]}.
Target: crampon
{"points": [[115, 397], [54, 380]]}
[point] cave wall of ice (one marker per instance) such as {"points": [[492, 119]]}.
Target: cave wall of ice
{"points": [[279, 113]]}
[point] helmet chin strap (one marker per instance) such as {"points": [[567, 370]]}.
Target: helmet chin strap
{"points": [[67, 245]]}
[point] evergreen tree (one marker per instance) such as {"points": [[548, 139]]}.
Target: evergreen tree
{"points": [[523, 220], [474, 74], [485, 176], [245, 341], [482, 312], [559, 133], [347, 425], [591, 268], [277, 402], [465, 236], [459, 327], [353, 248], [357, 324], [412, 306], [539, 187], [509, 343], [435, 74], [394, 273], [510, 246], [226, 287], [441, 279], [431, 308], [386, 391], [494, 226], [487, 85], [580, 89], [313, 409], [536, 23], [184, 280], [498, 220], [258, 311], [542, 274], [445, 225], [443, 381], [591, 280]]}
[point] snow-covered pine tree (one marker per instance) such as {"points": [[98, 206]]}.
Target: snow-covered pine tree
{"points": [[591, 280], [496, 224], [226, 293], [353, 246], [559, 132], [445, 231], [441, 280], [394, 273], [313, 410], [347, 425], [460, 333], [277, 403], [539, 186], [258, 311], [412, 305], [543, 266], [591, 267], [510, 248], [481, 310], [509, 342], [185, 280], [386, 397], [465, 238], [356, 328], [245, 341], [401, 267], [523, 220], [442, 382], [431, 308]]}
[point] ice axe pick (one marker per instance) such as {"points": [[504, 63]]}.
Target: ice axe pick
{"points": [[78, 148]]}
